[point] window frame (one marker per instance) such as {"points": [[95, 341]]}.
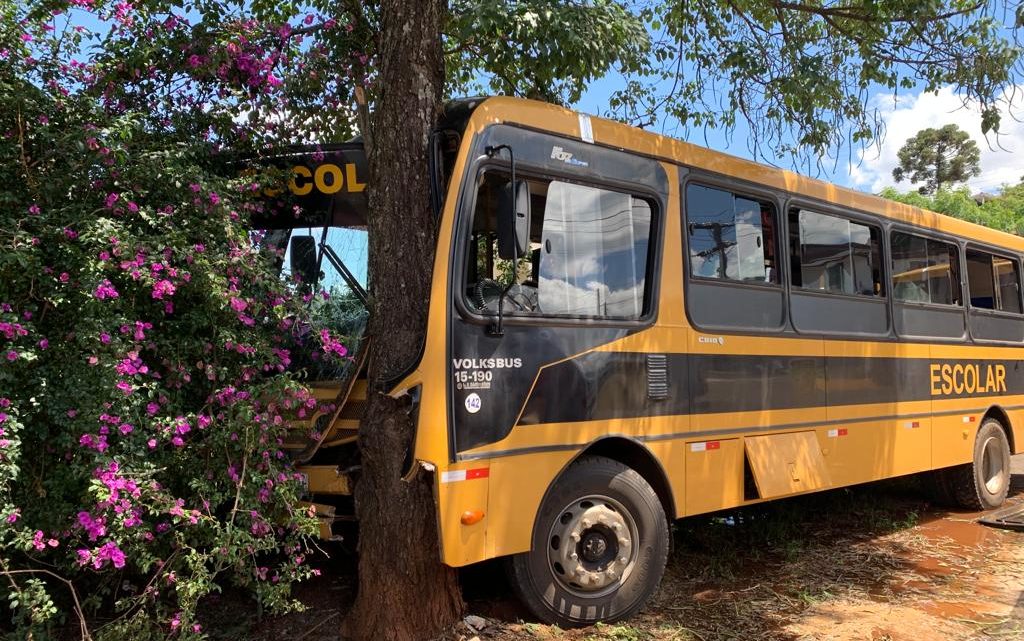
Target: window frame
{"points": [[466, 208], [938, 237], [741, 192], [796, 205], [1015, 259], [688, 175]]}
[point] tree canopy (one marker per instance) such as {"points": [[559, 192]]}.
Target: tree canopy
{"points": [[1004, 212], [938, 157], [801, 75]]}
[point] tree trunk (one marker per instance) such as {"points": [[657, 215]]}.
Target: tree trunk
{"points": [[405, 593]]}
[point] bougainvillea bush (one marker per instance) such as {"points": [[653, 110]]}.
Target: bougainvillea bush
{"points": [[145, 336]]}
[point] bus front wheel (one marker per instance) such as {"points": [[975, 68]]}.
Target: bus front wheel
{"points": [[600, 545], [984, 483]]}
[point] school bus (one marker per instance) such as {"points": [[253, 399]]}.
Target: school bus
{"points": [[626, 329]]}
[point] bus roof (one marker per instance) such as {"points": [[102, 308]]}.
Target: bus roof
{"points": [[559, 120]]}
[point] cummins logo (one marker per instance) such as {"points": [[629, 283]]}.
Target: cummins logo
{"points": [[715, 340]]}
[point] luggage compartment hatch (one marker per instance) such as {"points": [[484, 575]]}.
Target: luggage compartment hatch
{"points": [[786, 464]]}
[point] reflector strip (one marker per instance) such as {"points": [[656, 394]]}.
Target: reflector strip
{"points": [[704, 446], [838, 432], [969, 419], [465, 475], [912, 425]]}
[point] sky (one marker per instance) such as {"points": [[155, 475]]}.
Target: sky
{"points": [[870, 169]]}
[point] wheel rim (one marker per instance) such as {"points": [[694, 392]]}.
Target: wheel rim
{"points": [[592, 546], [993, 465]]}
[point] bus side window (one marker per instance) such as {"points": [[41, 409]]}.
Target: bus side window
{"points": [[993, 282], [981, 280], [925, 270], [730, 237], [1008, 284], [834, 254]]}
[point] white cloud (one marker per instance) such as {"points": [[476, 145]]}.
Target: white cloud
{"points": [[1002, 156]]}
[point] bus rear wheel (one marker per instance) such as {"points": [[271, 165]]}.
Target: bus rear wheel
{"points": [[600, 545], [984, 483]]}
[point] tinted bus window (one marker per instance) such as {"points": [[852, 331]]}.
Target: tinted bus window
{"points": [[589, 253], [833, 254], [981, 280], [593, 252], [925, 270], [730, 237], [1008, 283], [993, 282]]}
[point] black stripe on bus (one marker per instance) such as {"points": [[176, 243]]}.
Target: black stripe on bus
{"points": [[615, 385]]}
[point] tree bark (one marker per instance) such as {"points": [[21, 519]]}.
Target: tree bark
{"points": [[405, 593]]}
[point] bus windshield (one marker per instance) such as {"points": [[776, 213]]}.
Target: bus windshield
{"points": [[338, 300]]}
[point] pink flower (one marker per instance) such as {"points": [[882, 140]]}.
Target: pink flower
{"points": [[163, 288], [105, 290], [43, 344], [12, 355], [94, 528], [238, 304], [26, 37], [109, 552], [332, 345], [104, 338], [34, 210], [13, 516]]}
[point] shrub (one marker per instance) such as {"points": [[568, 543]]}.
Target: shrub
{"points": [[145, 337]]}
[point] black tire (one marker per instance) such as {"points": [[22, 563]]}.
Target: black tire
{"points": [[618, 498], [984, 483]]}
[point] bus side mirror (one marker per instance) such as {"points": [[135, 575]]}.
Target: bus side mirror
{"points": [[514, 220], [302, 261]]}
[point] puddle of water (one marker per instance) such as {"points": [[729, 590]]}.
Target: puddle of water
{"points": [[931, 567], [964, 533]]}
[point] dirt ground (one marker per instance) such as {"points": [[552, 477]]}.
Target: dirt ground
{"points": [[874, 563]]}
